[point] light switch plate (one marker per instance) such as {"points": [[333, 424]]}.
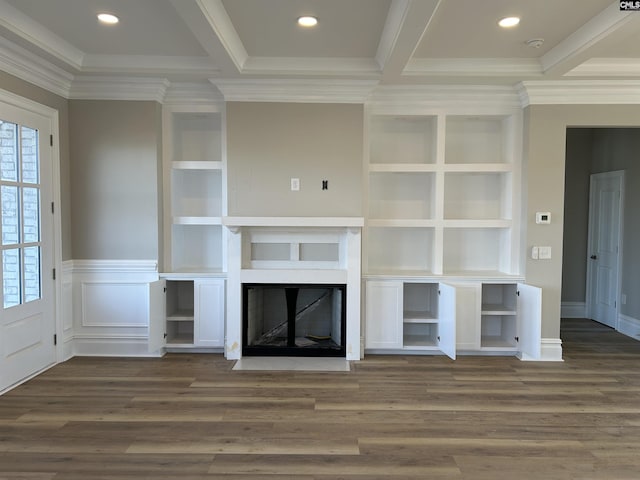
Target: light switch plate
{"points": [[544, 253], [295, 184]]}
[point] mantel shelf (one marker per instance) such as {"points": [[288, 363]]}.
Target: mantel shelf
{"points": [[335, 222]]}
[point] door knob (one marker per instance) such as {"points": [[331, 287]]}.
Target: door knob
{"points": [[594, 257]]}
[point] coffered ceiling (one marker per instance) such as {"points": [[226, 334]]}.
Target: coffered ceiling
{"points": [[384, 42]]}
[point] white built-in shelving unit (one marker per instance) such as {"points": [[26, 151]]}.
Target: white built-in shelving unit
{"points": [[192, 285], [443, 214], [442, 193], [194, 189]]}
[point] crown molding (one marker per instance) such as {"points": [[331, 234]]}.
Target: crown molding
{"points": [[185, 93], [118, 88], [31, 68], [299, 91], [575, 92], [148, 64], [346, 67], [607, 67], [463, 98], [36, 34], [480, 67]]}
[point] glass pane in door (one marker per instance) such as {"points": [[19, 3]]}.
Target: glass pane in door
{"points": [[8, 151], [21, 214]]}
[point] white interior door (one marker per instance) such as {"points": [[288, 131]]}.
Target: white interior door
{"points": [[447, 320], [27, 325], [605, 208]]}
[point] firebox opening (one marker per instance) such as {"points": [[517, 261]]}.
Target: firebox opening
{"points": [[294, 319]]}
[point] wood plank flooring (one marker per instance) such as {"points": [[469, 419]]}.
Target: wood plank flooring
{"points": [[189, 416]]}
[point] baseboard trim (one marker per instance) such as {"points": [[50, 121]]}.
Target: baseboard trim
{"points": [[629, 326], [573, 310], [112, 346], [550, 351]]}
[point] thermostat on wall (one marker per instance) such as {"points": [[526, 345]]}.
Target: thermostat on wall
{"points": [[543, 217]]}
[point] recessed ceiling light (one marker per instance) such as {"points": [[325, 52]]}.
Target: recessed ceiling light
{"points": [[108, 18], [508, 22], [307, 21]]}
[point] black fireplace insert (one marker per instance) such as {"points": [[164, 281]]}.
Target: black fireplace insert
{"points": [[306, 320]]}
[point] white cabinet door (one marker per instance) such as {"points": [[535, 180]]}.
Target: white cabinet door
{"points": [[447, 320], [383, 311], [468, 307], [529, 312], [209, 312], [157, 315]]}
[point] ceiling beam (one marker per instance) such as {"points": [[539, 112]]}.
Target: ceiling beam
{"points": [[578, 46], [212, 27], [407, 21]]}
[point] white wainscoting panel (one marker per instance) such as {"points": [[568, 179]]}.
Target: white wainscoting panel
{"points": [[114, 304], [111, 307]]}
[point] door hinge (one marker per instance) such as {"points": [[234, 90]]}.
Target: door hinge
{"points": [[51, 140], [55, 339], [54, 273]]}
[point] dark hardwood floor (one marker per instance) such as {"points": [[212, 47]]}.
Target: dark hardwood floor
{"points": [[189, 416]]}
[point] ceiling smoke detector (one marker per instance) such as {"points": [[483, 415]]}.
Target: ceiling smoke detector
{"points": [[535, 42]]}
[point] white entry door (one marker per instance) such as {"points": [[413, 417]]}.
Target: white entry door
{"points": [[27, 324], [605, 208]]}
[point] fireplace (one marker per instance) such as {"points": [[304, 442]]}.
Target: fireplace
{"points": [[304, 275], [294, 320]]}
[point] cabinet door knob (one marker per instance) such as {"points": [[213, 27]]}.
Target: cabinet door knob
{"points": [[594, 257]]}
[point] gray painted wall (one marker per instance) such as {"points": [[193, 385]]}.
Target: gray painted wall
{"points": [[37, 94], [114, 178], [598, 150], [619, 149], [269, 143], [576, 213], [545, 157]]}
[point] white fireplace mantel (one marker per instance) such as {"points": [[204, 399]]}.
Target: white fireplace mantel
{"points": [[238, 222], [341, 235]]}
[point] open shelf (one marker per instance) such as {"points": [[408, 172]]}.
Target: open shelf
{"points": [[197, 136], [498, 316], [402, 139], [400, 249], [477, 195], [477, 250], [401, 195], [476, 139], [197, 248], [180, 311], [196, 193]]}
